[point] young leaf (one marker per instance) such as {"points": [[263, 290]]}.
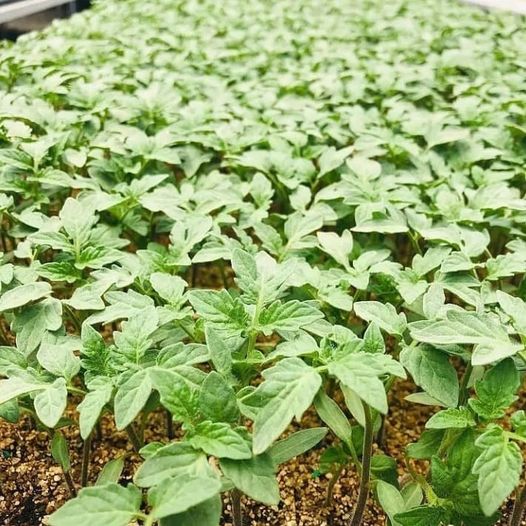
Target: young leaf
{"points": [[208, 513], [451, 418], [289, 316], [111, 505], [491, 339], [296, 444], [391, 500], [361, 371], [60, 451], [384, 315], [330, 412], [288, 390], [24, 294], [178, 494], [423, 516], [217, 399], [51, 402], [171, 460], [496, 391], [92, 405], [219, 440], [131, 397], [499, 467], [111, 472], [254, 477], [432, 371], [220, 352]]}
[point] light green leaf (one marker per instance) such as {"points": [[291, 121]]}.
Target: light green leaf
{"points": [[217, 399], [111, 505], [383, 314], [254, 477], [289, 316], [131, 397], [92, 405], [171, 460], [360, 372], [332, 158], [24, 294], [288, 390], [496, 391], [296, 444], [111, 472], [14, 387], [219, 440], [207, 513], [451, 418], [51, 403], [499, 468], [432, 371], [34, 322], [220, 352], [339, 248], [178, 494], [463, 327], [330, 412]]}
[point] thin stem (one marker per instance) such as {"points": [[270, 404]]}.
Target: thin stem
{"points": [[464, 390], [98, 430], [74, 318], [330, 487], [518, 508], [86, 453], [169, 425], [237, 511], [366, 468], [134, 438], [70, 483], [223, 274]]}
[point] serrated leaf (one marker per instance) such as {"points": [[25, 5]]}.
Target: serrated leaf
{"points": [[452, 418], [219, 440], [499, 467], [432, 371], [384, 315], [131, 397], [496, 391], [177, 458], [288, 390]]}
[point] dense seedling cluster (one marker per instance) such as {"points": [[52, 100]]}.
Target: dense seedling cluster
{"points": [[355, 173]]}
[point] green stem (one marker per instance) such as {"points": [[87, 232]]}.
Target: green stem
{"points": [[169, 425], [367, 453], [76, 390], [134, 438], [70, 483], [237, 511], [223, 274], [84, 472], [330, 487], [73, 317], [253, 333], [464, 390], [3, 336], [518, 508], [414, 243]]}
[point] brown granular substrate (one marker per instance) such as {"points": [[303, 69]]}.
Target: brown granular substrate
{"points": [[31, 485]]}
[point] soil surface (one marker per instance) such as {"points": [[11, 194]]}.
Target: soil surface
{"points": [[32, 487]]}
